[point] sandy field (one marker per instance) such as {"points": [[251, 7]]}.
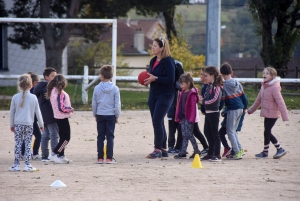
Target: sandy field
{"points": [[135, 177]]}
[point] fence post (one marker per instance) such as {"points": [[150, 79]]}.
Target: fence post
{"points": [[85, 82]]}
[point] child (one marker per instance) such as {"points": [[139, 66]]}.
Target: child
{"points": [[212, 104], [106, 106], [272, 107], [236, 103], [173, 126], [222, 132], [187, 113], [51, 130], [36, 131], [24, 106], [62, 111]]}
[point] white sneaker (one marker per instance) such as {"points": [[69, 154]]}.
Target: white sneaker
{"points": [[36, 157], [62, 160], [29, 168], [14, 168], [111, 161], [52, 158]]}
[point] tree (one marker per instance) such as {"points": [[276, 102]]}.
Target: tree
{"points": [[56, 36], [166, 7], [182, 51], [284, 17], [3, 12]]}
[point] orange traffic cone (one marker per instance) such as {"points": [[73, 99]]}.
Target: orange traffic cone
{"points": [[197, 163]]}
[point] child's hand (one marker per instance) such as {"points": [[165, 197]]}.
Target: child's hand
{"points": [[117, 120], [200, 99], [41, 128], [12, 129]]}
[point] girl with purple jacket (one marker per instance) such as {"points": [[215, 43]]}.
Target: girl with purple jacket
{"points": [[187, 113]]}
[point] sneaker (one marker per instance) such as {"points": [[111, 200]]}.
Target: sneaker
{"points": [[242, 152], [207, 157], [172, 150], [36, 157], [45, 159], [215, 159], [111, 161], [100, 161], [204, 152], [226, 152], [234, 156], [281, 152], [61, 160], [194, 154], [14, 168], [155, 154], [180, 155], [261, 155], [52, 157], [164, 153], [29, 168]]}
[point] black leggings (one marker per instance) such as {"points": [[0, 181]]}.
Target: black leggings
{"points": [[269, 123], [64, 136]]}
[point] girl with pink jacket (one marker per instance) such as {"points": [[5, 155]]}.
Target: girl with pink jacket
{"points": [[62, 111], [187, 113], [272, 107]]}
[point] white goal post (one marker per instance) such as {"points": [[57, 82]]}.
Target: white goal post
{"points": [[75, 21]]}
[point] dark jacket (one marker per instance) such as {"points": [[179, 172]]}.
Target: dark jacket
{"points": [[212, 98], [40, 91], [165, 71]]}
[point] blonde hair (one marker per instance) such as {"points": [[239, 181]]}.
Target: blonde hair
{"points": [[162, 42], [25, 83], [59, 81], [272, 71]]}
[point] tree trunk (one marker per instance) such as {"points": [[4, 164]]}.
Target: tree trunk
{"points": [[169, 18], [55, 41]]}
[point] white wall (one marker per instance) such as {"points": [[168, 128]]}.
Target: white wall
{"points": [[137, 61]]}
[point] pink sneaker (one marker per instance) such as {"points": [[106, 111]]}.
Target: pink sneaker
{"points": [[100, 160], [111, 161]]}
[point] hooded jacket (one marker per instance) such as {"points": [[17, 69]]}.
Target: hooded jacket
{"points": [[234, 95], [270, 100], [106, 99], [61, 104], [45, 106], [191, 107]]}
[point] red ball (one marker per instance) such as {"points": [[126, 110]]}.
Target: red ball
{"points": [[142, 76]]}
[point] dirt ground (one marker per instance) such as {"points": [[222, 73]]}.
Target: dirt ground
{"points": [[135, 177]]}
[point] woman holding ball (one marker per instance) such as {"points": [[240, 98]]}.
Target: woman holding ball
{"points": [[161, 79]]}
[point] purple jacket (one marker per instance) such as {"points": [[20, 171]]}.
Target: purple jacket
{"points": [[191, 107]]}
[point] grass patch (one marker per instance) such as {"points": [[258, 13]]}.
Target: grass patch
{"points": [[137, 100]]}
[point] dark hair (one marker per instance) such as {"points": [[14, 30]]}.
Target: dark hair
{"points": [[48, 71], [226, 69], [162, 42], [25, 83], [212, 70], [34, 77], [187, 78], [59, 81], [107, 71]]}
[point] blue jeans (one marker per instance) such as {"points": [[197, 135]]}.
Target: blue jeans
{"points": [[159, 106], [106, 128], [50, 132]]}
